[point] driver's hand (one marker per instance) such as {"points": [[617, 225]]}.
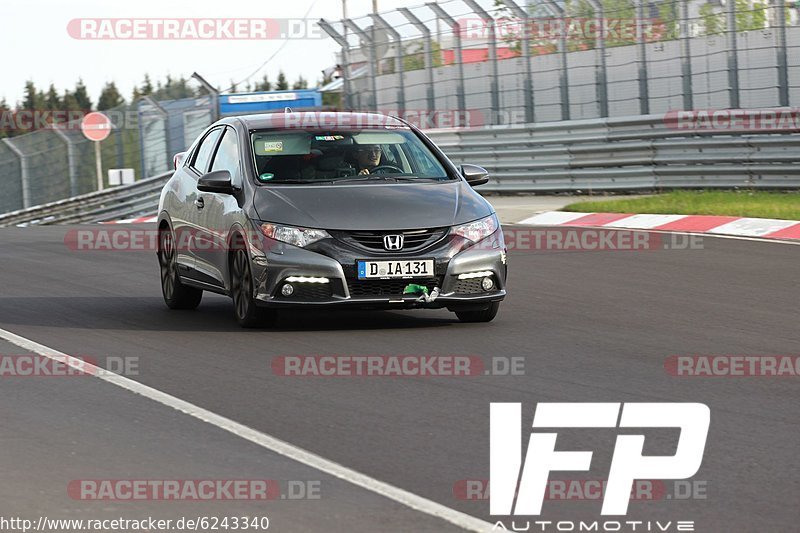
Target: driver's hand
{"points": [[364, 172]]}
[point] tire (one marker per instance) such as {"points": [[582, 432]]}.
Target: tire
{"points": [[176, 294], [483, 315], [247, 313]]}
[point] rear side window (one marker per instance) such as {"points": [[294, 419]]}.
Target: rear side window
{"points": [[204, 151]]}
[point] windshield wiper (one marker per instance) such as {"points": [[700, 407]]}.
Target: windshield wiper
{"points": [[384, 177], [281, 182]]}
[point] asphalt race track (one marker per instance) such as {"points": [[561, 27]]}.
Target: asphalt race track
{"points": [[591, 327]]}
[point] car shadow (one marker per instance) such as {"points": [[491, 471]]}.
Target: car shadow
{"points": [[215, 314]]}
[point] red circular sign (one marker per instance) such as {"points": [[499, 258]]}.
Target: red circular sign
{"points": [[96, 126]]}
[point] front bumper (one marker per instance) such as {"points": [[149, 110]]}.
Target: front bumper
{"points": [[336, 261]]}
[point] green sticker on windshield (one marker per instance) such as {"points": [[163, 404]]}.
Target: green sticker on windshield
{"points": [[266, 176], [273, 146]]}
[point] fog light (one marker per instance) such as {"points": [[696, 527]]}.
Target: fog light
{"points": [[287, 290], [487, 284]]}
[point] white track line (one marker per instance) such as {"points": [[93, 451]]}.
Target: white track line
{"points": [[417, 503], [667, 232], [553, 218]]}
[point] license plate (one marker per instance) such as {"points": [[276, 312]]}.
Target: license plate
{"points": [[395, 269]]}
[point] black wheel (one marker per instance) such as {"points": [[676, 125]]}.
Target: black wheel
{"points": [[482, 315], [176, 294], [247, 313]]}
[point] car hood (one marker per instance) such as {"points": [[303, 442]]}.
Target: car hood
{"points": [[383, 206]]}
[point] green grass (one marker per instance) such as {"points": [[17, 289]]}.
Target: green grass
{"points": [[756, 204]]}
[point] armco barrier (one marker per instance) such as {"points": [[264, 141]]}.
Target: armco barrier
{"points": [[623, 154], [137, 199]]}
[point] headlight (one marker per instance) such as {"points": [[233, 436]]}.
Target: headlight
{"points": [[301, 237], [478, 230]]}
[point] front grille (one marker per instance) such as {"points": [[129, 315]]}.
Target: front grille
{"points": [[387, 287], [308, 291], [372, 241], [468, 286]]}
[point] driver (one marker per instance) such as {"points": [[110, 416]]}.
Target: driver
{"points": [[368, 157]]}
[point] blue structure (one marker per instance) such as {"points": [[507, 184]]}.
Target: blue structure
{"points": [[265, 102]]}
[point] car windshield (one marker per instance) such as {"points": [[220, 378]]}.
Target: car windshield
{"points": [[309, 157]]}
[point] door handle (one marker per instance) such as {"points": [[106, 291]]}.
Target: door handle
{"points": [[199, 203]]}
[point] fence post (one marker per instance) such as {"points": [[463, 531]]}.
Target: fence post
{"points": [[641, 57], [459, 54], [733, 59], [373, 61], [495, 87], [600, 63], [428, 51], [399, 68], [686, 55], [212, 91], [780, 51], [73, 175], [522, 14], [557, 11], [341, 40], [23, 173]]}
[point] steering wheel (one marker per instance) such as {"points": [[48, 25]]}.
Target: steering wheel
{"points": [[381, 168]]}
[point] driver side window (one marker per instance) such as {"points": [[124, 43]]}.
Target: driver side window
{"points": [[227, 157], [203, 155]]}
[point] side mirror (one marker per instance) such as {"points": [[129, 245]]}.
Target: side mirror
{"points": [[475, 175], [217, 181], [178, 158]]}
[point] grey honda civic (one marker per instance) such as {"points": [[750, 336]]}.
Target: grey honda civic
{"points": [[302, 210]]}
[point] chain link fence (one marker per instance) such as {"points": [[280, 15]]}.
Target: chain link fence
{"points": [[58, 162], [490, 62]]}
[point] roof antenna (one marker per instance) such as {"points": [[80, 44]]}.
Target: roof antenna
{"points": [[288, 110]]}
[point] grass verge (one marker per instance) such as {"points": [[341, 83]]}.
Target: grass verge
{"points": [[758, 204]]}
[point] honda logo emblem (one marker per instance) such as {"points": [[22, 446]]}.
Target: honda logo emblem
{"points": [[393, 242]]}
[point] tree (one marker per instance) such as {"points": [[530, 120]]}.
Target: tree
{"points": [[69, 102], [33, 99], [5, 119], [668, 28], [750, 16], [52, 100], [300, 84], [414, 56], [283, 83], [264, 85], [82, 96], [173, 89], [145, 90], [713, 23], [109, 97]]}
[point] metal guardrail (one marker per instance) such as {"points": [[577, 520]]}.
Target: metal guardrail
{"points": [[623, 154], [137, 199], [638, 153]]}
